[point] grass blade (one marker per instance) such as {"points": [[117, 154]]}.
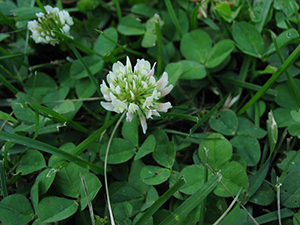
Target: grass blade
{"points": [[3, 180], [8, 85], [86, 68], [192, 202], [289, 61], [84, 144], [209, 114], [159, 202], [38, 108], [159, 47], [48, 149], [173, 17], [194, 17]]}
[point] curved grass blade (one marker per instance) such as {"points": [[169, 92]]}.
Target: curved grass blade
{"points": [[3, 180], [49, 149], [193, 201], [57, 116], [159, 202], [173, 17], [84, 144], [8, 84], [288, 62]]}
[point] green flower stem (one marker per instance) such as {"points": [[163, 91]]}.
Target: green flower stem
{"points": [[173, 17], [159, 47], [159, 202], [289, 61], [112, 221], [278, 203], [119, 11], [86, 68], [194, 17]]}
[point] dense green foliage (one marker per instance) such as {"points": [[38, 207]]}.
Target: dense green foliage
{"points": [[225, 153]]}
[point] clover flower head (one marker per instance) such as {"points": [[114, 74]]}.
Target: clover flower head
{"points": [[42, 29], [135, 90]]}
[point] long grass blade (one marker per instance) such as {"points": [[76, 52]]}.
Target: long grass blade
{"points": [[159, 202], [8, 85], [173, 17], [44, 110], [159, 47], [194, 17], [3, 180], [84, 144], [289, 61], [86, 68], [209, 114], [193, 201], [48, 149]]}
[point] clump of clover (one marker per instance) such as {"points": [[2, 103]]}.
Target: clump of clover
{"points": [[135, 91], [54, 20]]}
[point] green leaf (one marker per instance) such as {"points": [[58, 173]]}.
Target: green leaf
{"points": [[234, 177], [41, 186], [130, 26], [103, 46], [248, 148], [56, 95], [68, 181], [143, 9], [247, 128], [130, 131], [235, 216], [52, 209], [6, 116], [65, 107], [192, 70], [174, 71], [248, 39], [120, 151], [21, 111], [193, 183], [219, 53], [290, 190], [164, 153], [85, 88], [285, 6], [263, 196], [150, 36], [152, 196], [154, 175], [285, 97], [30, 162], [192, 202], [122, 211], [39, 85], [294, 166], [147, 147], [225, 122], [15, 210], [93, 62], [217, 148], [283, 117], [193, 49]]}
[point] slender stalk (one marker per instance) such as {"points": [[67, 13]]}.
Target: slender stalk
{"points": [[159, 46], [173, 17], [119, 11], [278, 202], [86, 191], [112, 221]]}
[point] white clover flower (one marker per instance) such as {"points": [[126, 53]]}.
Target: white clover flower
{"points": [[42, 30], [135, 91]]}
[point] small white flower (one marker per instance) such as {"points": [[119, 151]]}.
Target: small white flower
{"points": [[42, 28], [135, 91]]}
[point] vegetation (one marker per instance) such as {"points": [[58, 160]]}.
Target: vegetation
{"points": [[201, 127]]}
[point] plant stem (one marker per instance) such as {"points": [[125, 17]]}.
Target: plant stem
{"points": [[112, 221]]}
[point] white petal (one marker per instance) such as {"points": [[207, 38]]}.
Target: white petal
{"points": [[162, 82], [119, 106], [163, 107], [148, 102], [105, 91], [166, 91], [111, 77], [132, 108], [142, 66], [118, 68], [143, 123], [128, 65], [129, 116], [151, 72], [107, 105]]}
